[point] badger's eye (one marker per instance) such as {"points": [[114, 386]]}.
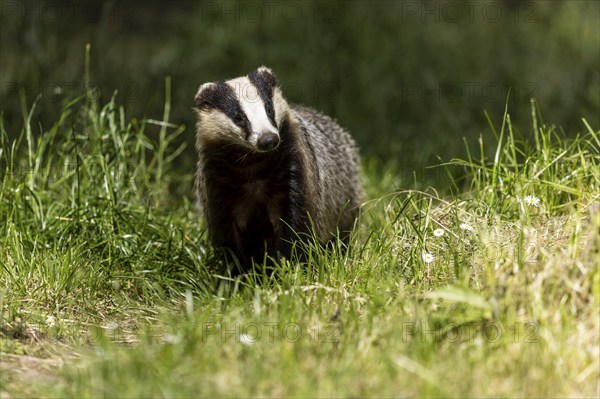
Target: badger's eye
{"points": [[270, 111], [238, 118]]}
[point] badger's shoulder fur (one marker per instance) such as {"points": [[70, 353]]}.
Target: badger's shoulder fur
{"points": [[270, 173], [336, 165]]}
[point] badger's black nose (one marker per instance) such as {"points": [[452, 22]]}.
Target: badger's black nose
{"points": [[267, 141]]}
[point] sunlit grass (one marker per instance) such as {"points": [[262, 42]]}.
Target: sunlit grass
{"points": [[110, 288]]}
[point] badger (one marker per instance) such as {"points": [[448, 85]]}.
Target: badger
{"points": [[269, 173]]}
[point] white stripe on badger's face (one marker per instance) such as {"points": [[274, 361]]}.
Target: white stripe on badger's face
{"points": [[254, 108], [280, 106]]}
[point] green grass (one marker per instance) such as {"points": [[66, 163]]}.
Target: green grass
{"points": [[106, 291]]}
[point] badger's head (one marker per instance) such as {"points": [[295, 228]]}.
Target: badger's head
{"points": [[248, 111]]}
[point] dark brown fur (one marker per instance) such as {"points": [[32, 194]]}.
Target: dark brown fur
{"points": [[258, 204], [254, 201]]}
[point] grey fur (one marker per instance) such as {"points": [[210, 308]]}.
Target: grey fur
{"points": [[329, 190], [336, 169]]}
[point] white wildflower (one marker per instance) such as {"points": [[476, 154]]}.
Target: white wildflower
{"points": [[427, 257], [438, 232], [247, 339], [50, 321], [112, 327], [532, 200], [466, 227]]}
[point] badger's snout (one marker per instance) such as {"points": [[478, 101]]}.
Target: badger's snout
{"points": [[267, 141]]}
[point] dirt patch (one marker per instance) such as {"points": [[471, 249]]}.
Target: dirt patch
{"points": [[26, 376]]}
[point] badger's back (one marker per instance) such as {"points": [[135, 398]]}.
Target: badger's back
{"points": [[336, 172]]}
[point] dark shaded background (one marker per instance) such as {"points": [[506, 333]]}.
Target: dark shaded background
{"points": [[408, 78]]}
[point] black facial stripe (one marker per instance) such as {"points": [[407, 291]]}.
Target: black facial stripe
{"points": [[265, 84], [221, 96]]}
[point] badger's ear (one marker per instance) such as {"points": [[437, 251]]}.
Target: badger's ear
{"points": [[265, 75], [204, 96]]}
